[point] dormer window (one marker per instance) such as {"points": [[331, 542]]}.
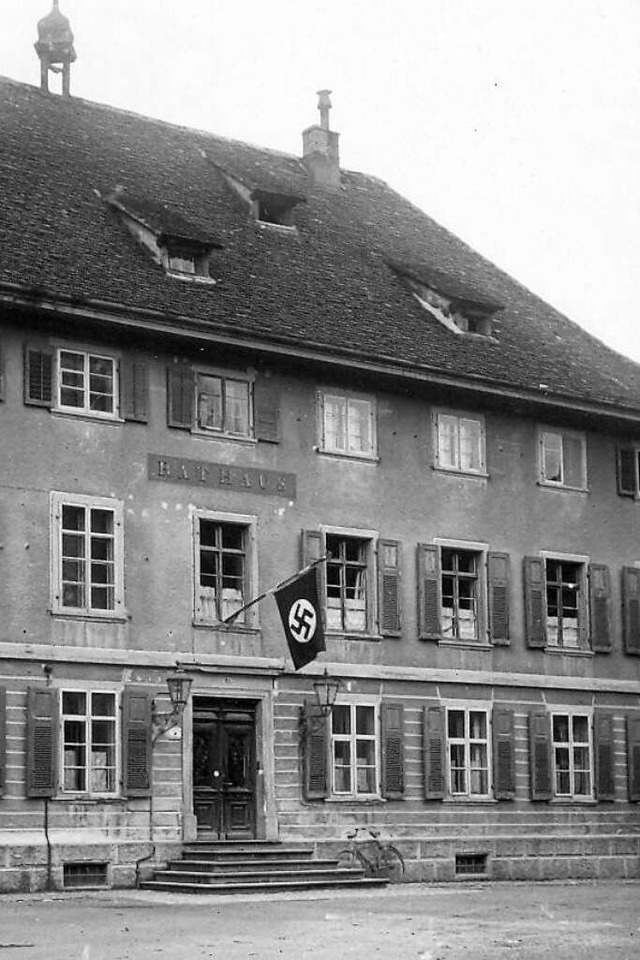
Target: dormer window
{"points": [[184, 260], [273, 208]]}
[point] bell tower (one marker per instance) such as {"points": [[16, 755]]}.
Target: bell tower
{"points": [[54, 47]]}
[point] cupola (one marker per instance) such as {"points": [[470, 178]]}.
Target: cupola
{"points": [[54, 47]]}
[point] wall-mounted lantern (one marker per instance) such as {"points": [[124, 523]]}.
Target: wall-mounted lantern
{"points": [[326, 691], [179, 686]]}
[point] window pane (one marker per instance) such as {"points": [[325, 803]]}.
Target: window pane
{"points": [[561, 729], [103, 704], [552, 457], [341, 720], [365, 720], [210, 403], [237, 407], [334, 425], [102, 521], [470, 445], [359, 426], [477, 725], [478, 782], [448, 441], [73, 702], [73, 518], [455, 720], [101, 391]]}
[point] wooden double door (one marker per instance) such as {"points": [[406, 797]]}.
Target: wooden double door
{"points": [[224, 768]]}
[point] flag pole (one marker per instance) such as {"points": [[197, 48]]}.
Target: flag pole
{"points": [[278, 586]]}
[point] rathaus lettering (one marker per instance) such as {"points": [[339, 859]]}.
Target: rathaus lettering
{"points": [[222, 475]]}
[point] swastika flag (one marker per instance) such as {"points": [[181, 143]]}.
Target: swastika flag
{"points": [[299, 608]]}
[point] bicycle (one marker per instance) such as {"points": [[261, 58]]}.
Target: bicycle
{"points": [[376, 857]]}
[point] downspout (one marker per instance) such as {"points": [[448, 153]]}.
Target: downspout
{"points": [[49, 884]]}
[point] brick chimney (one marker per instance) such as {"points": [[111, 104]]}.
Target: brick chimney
{"points": [[320, 148], [54, 47]]}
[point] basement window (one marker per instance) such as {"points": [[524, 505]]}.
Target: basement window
{"points": [[471, 864], [84, 875]]}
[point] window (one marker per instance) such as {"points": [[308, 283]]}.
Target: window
{"points": [[89, 741], [628, 462], [87, 576], [354, 750], [87, 383], [459, 443], [348, 583], [347, 425], [224, 405], [223, 562], [572, 755], [564, 591], [460, 593], [563, 459], [468, 752]]}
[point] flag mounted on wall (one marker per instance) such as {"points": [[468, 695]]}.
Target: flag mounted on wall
{"points": [[299, 605]]}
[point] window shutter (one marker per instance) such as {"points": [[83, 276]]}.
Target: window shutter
{"points": [[633, 757], [136, 742], [312, 544], [392, 725], [134, 390], [535, 601], [38, 376], [315, 753], [180, 396], [604, 755], [504, 755], [599, 607], [433, 749], [266, 410], [573, 461], [498, 576], [3, 738], [540, 756], [428, 591], [42, 739], [389, 587], [631, 609], [627, 471]]}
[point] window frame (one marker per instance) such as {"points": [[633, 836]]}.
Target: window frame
{"points": [[583, 607], [571, 713], [576, 435], [353, 702], [468, 707], [347, 396], [58, 501], [85, 411], [459, 416], [248, 523], [370, 539], [224, 376], [481, 550], [88, 718]]}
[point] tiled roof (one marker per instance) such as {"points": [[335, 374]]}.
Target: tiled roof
{"points": [[328, 283]]}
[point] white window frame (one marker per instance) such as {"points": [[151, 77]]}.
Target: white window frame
{"points": [[347, 397], [224, 375], [353, 702], [467, 707], [88, 717], [582, 561], [543, 479], [458, 418], [571, 713], [249, 619], [58, 501], [370, 537], [85, 410], [481, 550]]}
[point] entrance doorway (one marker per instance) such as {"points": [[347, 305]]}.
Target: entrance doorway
{"points": [[224, 768]]}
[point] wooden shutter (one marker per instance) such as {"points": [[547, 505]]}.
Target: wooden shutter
{"points": [[535, 601], [42, 741], [498, 577], [627, 471], [504, 754], [540, 756], [389, 555], [433, 741], [134, 390], [392, 727], [137, 705], [312, 544], [604, 749], [633, 757], [3, 738], [38, 375], [428, 591], [266, 410], [180, 396], [600, 607], [631, 609], [315, 753]]}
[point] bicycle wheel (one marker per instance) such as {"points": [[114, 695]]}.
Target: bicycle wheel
{"points": [[347, 859], [392, 862]]}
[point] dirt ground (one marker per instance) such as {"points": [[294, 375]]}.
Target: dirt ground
{"points": [[474, 921]]}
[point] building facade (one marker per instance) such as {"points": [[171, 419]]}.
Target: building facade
{"points": [[220, 363]]}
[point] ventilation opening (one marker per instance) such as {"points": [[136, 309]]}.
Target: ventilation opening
{"points": [[471, 864], [84, 874]]}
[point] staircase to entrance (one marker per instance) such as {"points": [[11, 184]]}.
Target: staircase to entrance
{"points": [[250, 866]]}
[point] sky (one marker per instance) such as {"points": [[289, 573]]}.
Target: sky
{"points": [[515, 124]]}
